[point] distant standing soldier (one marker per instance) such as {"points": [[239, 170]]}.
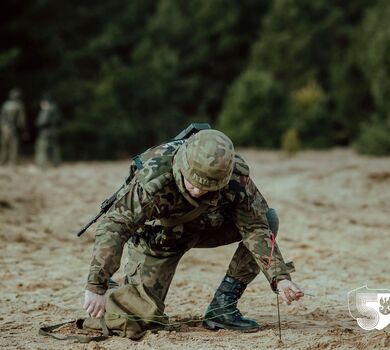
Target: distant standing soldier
{"points": [[12, 121], [47, 150]]}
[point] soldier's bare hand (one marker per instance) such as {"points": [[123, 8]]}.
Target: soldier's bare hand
{"points": [[289, 291], [95, 304]]}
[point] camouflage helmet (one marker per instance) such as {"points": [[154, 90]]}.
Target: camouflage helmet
{"points": [[206, 160]]}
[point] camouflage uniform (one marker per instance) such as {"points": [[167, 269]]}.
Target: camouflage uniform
{"points": [[236, 213], [47, 150], [12, 120]]}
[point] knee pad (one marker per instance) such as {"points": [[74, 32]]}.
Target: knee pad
{"points": [[273, 220]]}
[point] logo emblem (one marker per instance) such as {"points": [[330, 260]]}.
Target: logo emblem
{"points": [[370, 307]]}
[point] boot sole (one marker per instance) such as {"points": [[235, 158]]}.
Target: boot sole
{"points": [[214, 326]]}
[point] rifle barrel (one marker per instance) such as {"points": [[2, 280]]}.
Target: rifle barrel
{"points": [[85, 228]]}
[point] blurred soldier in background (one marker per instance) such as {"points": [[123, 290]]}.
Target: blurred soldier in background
{"points": [[47, 150], [12, 122]]}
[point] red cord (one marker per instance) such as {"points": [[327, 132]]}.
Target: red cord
{"points": [[273, 241]]}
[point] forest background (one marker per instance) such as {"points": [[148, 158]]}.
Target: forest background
{"points": [[127, 75]]}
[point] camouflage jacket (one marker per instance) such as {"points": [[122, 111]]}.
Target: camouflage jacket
{"points": [[13, 115], [48, 120], [157, 191]]}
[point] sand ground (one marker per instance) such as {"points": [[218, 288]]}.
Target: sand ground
{"points": [[335, 225]]}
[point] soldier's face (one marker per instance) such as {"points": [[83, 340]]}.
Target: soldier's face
{"points": [[193, 191]]}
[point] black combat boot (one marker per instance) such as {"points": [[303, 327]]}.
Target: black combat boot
{"points": [[223, 312]]}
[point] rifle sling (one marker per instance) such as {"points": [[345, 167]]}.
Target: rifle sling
{"points": [[191, 215]]}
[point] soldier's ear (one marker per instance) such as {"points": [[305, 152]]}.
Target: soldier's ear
{"points": [[273, 220]]}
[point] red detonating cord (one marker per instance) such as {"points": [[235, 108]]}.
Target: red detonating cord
{"points": [[273, 241]]}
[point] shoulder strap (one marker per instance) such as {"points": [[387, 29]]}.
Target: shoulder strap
{"points": [[47, 331], [191, 215], [240, 166]]}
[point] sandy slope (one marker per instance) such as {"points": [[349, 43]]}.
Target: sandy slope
{"points": [[335, 224]]}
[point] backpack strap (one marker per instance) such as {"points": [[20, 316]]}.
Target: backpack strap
{"points": [[191, 215], [48, 331]]}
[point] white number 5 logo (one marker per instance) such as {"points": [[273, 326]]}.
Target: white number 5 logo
{"points": [[370, 307]]}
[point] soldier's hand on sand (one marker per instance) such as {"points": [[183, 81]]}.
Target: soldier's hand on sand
{"points": [[289, 291], [95, 304]]}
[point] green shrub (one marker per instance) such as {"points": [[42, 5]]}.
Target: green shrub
{"points": [[290, 142], [373, 48], [309, 116], [374, 139], [253, 110]]}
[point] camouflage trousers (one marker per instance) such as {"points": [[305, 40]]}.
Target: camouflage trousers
{"points": [[154, 269], [47, 152], [9, 146]]}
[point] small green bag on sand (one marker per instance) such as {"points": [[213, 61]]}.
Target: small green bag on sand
{"points": [[130, 312]]}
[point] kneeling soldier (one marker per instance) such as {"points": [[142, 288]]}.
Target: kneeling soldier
{"points": [[188, 194]]}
